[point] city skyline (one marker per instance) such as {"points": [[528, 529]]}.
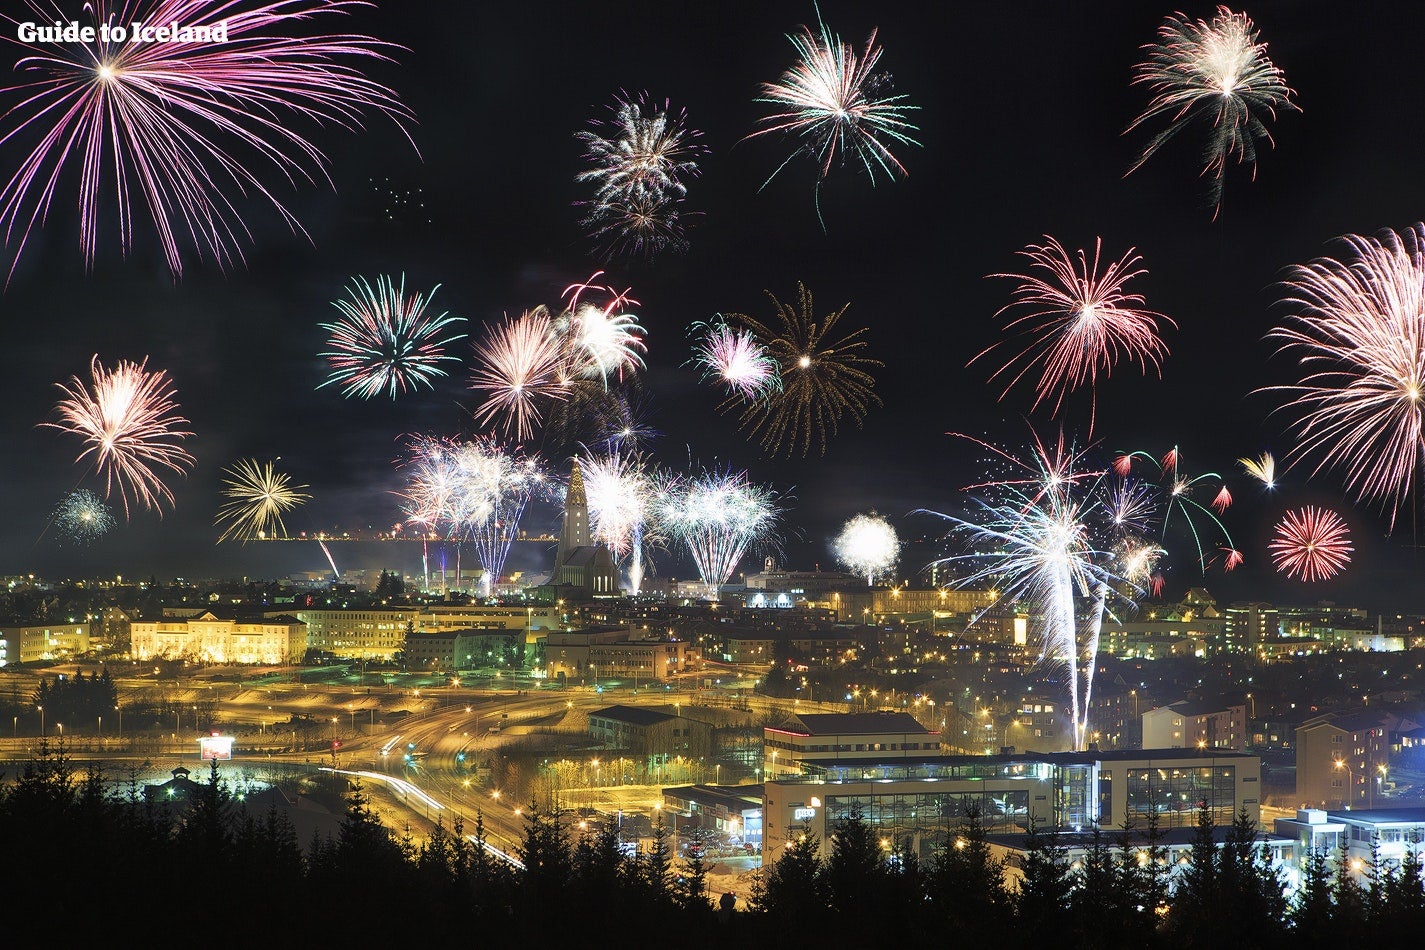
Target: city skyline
{"points": [[1021, 135]]}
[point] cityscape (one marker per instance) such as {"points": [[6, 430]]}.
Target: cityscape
{"points": [[776, 475]]}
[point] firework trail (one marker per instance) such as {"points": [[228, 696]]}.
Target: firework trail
{"points": [[1311, 544], [638, 162], [823, 378], [1074, 321], [128, 419], [1263, 469], [620, 488], [257, 497], [1217, 73], [386, 341], [539, 363], [1174, 493], [1358, 334], [82, 518], [868, 545], [833, 105], [1033, 540], [735, 359], [718, 515], [474, 490], [176, 131]]}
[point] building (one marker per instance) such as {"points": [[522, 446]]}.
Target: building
{"points": [[33, 642], [1246, 625], [213, 639], [657, 735], [366, 633], [1343, 760], [1190, 724], [830, 737], [463, 649], [619, 653], [733, 812], [1352, 835], [582, 569], [920, 800]]}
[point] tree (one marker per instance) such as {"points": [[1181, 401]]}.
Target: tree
{"points": [[792, 891], [1311, 909], [1041, 902], [856, 877], [967, 882]]}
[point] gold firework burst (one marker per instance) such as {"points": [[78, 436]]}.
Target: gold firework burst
{"points": [[824, 378]]}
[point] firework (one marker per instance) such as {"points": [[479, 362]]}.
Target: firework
{"points": [[182, 126], [1033, 539], [474, 490], [521, 366], [1358, 333], [386, 341], [82, 517], [1179, 493], [539, 362], [833, 105], [734, 358], [128, 419], [1075, 322], [603, 339], [718, 516], [1217, 73], [638, 163], [636, 226], [823, 378], [1071, 541], [620, 489], [868, 545], [1263, 469], [258, 496], [646, 150], [1311, 544]]}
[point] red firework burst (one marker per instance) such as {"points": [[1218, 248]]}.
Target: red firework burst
{"points": [[1311, 544]]}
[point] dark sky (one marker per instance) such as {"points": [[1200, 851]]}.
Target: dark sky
{"points": [[1023, 108]]}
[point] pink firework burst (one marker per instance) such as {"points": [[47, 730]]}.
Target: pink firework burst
{"points": [[738, 361], [520, 364], [1231, 558], [1075, 322], [129, 420], [1358, 334], [1311, 544], [1222, 501], [176, 130]]}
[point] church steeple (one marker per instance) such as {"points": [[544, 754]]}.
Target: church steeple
{"points": [[574, 532]]}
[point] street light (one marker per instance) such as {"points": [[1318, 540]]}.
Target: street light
{"points": [[1351, 779], [42, 721]]}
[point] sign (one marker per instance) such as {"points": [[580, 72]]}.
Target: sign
{"points": [[804, 814], [216, 747]]}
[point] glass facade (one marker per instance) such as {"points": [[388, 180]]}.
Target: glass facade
{"points": [[928, 818], [1176, 793]]}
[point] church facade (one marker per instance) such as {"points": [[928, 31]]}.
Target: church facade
{"points": [[583, 570]]}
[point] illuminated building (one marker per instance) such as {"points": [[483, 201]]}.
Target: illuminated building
{"points": [[920, 800], [214, 639]]}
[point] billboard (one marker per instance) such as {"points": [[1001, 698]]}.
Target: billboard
{"points": [[216, 747]]}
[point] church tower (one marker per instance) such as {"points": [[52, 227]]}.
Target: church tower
{"points": [[574, 532]]}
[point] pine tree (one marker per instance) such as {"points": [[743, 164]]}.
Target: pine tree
{"points": [[967, 882], [792, 891], [1041, 902], [1311, 909]]}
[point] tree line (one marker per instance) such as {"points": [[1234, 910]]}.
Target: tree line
{"points": [[96, 860]]}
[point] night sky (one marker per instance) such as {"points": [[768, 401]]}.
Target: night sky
{"points": [[1022, 113]]}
